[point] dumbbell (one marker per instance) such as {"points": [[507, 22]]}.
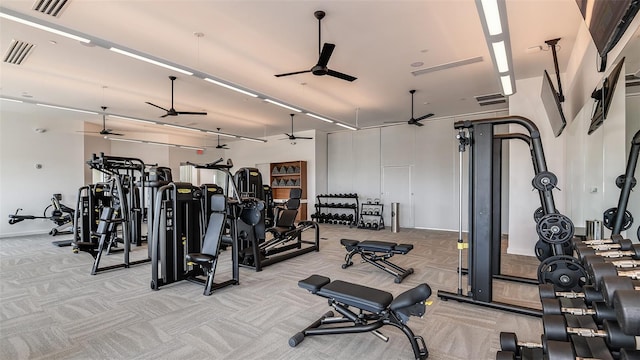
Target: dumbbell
{"points": [[375, 225], [599, 270], [563, 350], [368, 225], [609, 250], [615, 239], [511, 348], [589, 293], [617, 262], [599, 310], [555, 328]]}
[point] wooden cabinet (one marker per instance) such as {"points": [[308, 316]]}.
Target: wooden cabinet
{"points": [[286, 176]]}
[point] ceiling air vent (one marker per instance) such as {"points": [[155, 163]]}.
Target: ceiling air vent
{"points": [[491, 99], [631, 80], [50, 7], [17, 52]]}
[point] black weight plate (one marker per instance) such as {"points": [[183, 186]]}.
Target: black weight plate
{"points": [[597, 271], [555, 228], [621, 179], [543, 250], [564, 272], [538, 214], [609, 216], [544, 181], [551, 306]]}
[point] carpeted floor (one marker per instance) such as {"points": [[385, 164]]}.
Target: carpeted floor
{"points": [[52, 308]]}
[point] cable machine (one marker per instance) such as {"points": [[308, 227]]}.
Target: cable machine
{"points": [[484, 237]]}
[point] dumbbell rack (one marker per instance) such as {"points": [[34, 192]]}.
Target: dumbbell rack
{"points": [[341, 209], [371, 216]]}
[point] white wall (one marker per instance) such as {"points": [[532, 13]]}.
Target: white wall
{"points": [[633, 126], [59, 152]]}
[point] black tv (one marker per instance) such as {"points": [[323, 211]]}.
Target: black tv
{"points": [[607, 20], [552, 106], [603, 97]]}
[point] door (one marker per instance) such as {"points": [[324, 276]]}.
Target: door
{"points": [[396, 187]]}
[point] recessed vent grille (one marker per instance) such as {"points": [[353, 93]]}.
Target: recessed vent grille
{"points": [[17, 52], [50, 7], [491, 99], [447, 65], [631, 80]]}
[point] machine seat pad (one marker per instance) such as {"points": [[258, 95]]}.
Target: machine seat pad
{"points": [[380, 246], [411, 297], [314, 283], [199, 258], [281, 231], [402, 248], [359, 296]]}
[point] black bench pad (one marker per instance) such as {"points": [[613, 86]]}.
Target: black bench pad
{"points": [[377, 246], [359, 296], [314, 282]]}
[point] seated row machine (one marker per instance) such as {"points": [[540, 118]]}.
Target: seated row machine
{"points": [[377, 308], [377, 254]]}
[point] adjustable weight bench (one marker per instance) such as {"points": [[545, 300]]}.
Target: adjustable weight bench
{"points": [[377, 254], [377, 308]]}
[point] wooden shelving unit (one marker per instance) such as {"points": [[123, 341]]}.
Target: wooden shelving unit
{"points": [[286, 176]]}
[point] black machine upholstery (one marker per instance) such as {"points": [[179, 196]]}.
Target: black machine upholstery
{"points": [[377, 254], [286, 216], [208, 257], [377, 308]]}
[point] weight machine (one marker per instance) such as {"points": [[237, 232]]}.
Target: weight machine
{"points": [[61, 215], [484, 237]]}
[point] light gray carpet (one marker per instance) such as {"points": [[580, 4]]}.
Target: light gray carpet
{"points": [[52, 308]]}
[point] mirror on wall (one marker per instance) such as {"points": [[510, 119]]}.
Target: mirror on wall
{"points": [[594, 161]]}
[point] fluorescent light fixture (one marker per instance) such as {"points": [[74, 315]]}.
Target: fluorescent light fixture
{"points": [[282, 105], [181, 127], [155, 143], [151, 61], [507, 89], [124, 140], [250, 139], [230, 87], [501, 56], [68, 109], [221, 134], [346, 126], [43, 27], [12, 100], [189, 147], [492, 16], [134, 119], [319, 117]]}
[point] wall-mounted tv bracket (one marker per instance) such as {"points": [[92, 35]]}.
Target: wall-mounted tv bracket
{"points": [[552, 44]]}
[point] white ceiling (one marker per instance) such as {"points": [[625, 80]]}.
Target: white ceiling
{"points": [[247, 42]]}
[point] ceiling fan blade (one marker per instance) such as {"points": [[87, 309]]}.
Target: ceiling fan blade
{"points": [[327, 50], [394, 122], [159, 107], [190, 113], [340, 75], [416, 123], [116, 134], [304, 137], [424, 117], [165, 115], [293, 73]]}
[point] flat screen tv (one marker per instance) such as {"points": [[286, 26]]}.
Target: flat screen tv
{"points": [[604, 96], [552, 106], [607, 20]]}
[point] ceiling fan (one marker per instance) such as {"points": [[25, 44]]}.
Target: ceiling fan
{"points": [[415, 121], [291, 136], [223, 146], [104, 130], [327, 49], [172, 111]]}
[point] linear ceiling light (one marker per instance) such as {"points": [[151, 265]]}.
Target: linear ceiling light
{"points": [[3, 14], [68, 109], [230, 87], [346, 126], [158, 143], [151, 61], [319, 117], [282, 105], [221, 134], [493, 16], [12, 100]]}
